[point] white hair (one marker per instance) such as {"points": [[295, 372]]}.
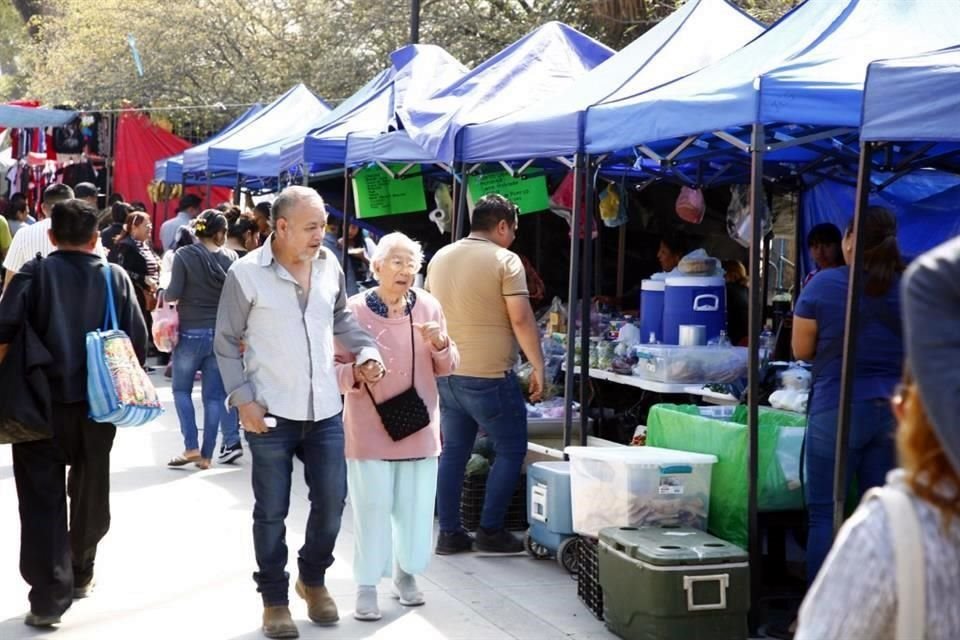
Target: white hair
{"points": [[392, 242], [290, 196]]}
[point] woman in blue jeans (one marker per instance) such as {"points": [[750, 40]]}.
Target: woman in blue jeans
{"points": [[198, 274], [818, 332]]}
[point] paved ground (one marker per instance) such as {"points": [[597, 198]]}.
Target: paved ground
{"points": [[178, 559]]}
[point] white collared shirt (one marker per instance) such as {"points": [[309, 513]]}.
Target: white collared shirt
{"points": [[287, 363], [31, 240]]}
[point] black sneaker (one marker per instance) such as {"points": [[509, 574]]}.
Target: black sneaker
{"points": [[230, 454], [498, 541], [449, 543]]}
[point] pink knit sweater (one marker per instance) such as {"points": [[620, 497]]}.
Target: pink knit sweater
{"points": [[366, 438]]}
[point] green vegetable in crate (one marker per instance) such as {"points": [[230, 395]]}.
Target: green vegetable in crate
{"points": [[477, 465]]}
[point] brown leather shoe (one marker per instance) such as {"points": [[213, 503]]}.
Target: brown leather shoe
{"points": [[278, 623], [321, 608]]}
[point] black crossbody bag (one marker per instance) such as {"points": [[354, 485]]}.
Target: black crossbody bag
{"points": [[404, 414]]}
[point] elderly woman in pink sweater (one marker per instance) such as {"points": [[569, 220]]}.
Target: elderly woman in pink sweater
{"points": [[392, 479]]}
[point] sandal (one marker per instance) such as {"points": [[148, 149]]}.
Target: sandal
{"points": [[203, 464], [182, 460]]}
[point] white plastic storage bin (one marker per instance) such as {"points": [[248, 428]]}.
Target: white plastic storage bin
{"points": [[638, 486]]}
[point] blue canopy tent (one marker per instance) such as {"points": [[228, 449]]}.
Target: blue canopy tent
{"points": [[416, 72], [170, 170], [298, 110], [905, 102], [692, 37], [802, 79], [544, 62], [792, 95]]}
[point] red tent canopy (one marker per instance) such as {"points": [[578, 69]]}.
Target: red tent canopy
{"points": [[140, 143]]}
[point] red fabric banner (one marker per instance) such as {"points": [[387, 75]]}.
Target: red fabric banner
{"points": [[140, 143]]}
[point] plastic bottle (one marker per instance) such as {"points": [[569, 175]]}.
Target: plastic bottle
{"points": [[720, 341], [767, 343]]}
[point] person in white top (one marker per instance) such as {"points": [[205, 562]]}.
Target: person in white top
{"points": [[188, 210], [30, 241]]}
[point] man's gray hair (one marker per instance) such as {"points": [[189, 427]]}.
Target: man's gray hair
{"points": [[291, 196], [392, 241]]}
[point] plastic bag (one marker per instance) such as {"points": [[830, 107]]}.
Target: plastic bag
{"points": [[166, 325], [613, 207], [739, 218], [690, 205], [682, 427], [699, 263]]}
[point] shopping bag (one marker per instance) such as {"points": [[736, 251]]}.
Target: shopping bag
{"points": [[166, 325], [119, 391]]}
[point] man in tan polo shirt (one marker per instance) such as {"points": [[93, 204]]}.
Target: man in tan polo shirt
{"points": [[483, 289]]}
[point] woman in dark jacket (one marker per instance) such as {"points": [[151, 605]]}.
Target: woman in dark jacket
{"points": [[199, 271], [132, 251]]}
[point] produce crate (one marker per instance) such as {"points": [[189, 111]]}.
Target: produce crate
{"points": [[471, 504], [588, 576]]}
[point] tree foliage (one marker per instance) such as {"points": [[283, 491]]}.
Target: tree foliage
{"points": [[235, 52]]}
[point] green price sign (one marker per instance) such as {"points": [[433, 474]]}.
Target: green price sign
{"points": [[376, 193], [527, 190]]}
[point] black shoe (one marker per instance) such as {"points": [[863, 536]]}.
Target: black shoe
{"points": [[498, 541], [230, 454], [35, 620], [79, 593], [449, 543]]}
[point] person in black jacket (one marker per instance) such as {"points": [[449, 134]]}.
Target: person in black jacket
{"points": [[63, 297], [132, 251]]}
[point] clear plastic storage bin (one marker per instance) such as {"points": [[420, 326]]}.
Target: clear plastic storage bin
{"points": [[637, 486], [691, 365]]}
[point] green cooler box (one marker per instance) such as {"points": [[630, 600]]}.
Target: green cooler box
{"points": [[673, 584]]}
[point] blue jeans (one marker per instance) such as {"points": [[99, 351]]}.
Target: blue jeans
{"points": [[497, 406], [194, 352], [870, 456], [319, 445]]}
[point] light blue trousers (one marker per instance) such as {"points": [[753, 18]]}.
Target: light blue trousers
{"points": [[393, 506]]}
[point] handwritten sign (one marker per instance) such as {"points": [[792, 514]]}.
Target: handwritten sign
{"points": [[376, 193], [528, 190]]}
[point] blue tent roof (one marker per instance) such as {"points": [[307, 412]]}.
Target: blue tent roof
{"points": [[693, 36], [170, 170], [915, 98], [545, 61], [416, 71], [14, 116], [296, 110], [395, 146], [808, 68]]}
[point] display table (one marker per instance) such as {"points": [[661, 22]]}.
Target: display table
{"points": [[722, 431], [635, 381]]}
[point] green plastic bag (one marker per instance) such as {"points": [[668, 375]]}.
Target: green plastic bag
{"points": [[682, 427]]}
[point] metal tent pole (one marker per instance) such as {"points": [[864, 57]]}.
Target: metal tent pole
{"points": [[572, 305], [460, 226], [851, 327], [209, 189], [753, 373], [347, 208], [585, 292], [798, 246]]}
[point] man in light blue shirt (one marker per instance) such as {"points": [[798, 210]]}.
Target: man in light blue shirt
{"points": [[188, 210]]}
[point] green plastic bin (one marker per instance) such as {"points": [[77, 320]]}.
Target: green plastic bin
{"points": [[673, 584], [683, 427]]}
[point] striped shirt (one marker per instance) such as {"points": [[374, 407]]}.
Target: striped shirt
{"points": [[29, 241]]}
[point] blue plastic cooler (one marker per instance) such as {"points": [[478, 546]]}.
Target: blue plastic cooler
{"points": [[549, 513], [694, 300], [651, 310]]}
